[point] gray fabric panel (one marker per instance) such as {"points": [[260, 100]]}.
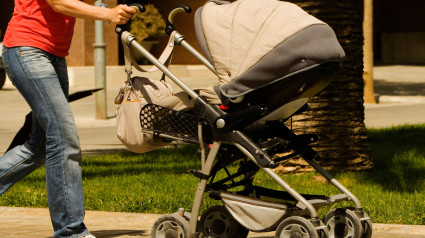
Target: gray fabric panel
{"points": [[310, 47], [200, 35]]}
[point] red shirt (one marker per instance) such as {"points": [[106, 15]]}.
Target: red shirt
{"points": [[34, 23]]}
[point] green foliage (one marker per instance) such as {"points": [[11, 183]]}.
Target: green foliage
{"points": [[148, 24], [158, 182]]}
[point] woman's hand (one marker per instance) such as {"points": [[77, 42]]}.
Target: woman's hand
{"points": [[120, 14]]}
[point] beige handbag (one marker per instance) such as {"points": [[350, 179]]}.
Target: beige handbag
{"points": [[133, 95]]}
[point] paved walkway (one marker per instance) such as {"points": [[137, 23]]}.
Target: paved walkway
{"points": [[35, 223], [400, 90]]}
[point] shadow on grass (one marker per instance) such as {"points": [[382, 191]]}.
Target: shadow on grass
{"points": [[398, 155], [169, 161], [161, 161]]}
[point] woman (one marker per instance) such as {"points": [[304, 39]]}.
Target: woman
{"points": [[37, 39]]}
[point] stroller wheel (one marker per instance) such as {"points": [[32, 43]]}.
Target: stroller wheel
{"points": [[367, 228], [216, 222], [344, 223], [170, 226], [296, 227]]}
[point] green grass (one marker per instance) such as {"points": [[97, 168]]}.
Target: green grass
{"points": [[158, 182]]}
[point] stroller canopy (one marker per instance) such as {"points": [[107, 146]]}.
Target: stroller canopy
{"points": [[253, 43]]}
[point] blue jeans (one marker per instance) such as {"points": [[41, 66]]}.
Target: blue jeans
{"points": [[42, 79]]}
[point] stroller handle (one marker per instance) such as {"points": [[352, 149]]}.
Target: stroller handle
{"points": [[169, 28], [140, 8]]}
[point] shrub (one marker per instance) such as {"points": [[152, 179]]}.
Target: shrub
{"points": [[147, 25]]}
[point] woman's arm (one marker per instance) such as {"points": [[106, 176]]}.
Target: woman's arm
{"points": [[75, 8]]}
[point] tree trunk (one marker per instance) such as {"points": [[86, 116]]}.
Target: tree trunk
{"points": [[337, 114]]}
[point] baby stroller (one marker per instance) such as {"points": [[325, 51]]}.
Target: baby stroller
{"points": [[271, 58]]}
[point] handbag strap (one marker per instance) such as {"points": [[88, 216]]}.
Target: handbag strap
{"points": [[164, 59]]}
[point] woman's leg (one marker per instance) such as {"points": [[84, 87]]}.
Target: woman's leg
{"points": [[42, 80], [20, 161]]}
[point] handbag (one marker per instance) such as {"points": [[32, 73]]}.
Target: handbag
{"points": [[135, 93]]}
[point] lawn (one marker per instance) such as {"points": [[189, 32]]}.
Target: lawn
{"points": [[158, 182]]}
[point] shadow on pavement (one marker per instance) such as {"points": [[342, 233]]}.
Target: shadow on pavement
{"points": [[398, 89], [118, 233]]}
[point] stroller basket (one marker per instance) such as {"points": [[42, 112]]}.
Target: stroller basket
{"points": [[168, 123], [256, 214]]}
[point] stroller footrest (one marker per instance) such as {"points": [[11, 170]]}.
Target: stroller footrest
{"points": [[198, 174], [317, 203], [338, 198]]}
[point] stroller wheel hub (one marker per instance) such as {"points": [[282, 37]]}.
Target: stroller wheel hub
{"points": [[296, 227], [216, 222], [218, 227], [170, 225], [295, 231], [343, 222]]}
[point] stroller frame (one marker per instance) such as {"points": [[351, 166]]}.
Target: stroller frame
{"points": [[222, 125]]}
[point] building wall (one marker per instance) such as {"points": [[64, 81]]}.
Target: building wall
{"points": [[82, 50], [6, 10], [399, 31], [184, 23]]}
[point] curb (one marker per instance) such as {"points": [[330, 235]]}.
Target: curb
{"points": [[386, 99]]}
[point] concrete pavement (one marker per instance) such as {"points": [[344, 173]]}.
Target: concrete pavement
{"points": [[16, 222], [400, 90], [400, 93], [35, 223]]}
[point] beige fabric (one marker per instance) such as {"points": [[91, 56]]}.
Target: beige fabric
{"points": [[261, 25], [178, 102], [181, 100], [210, 95], [257, 215], [132, 98], [257, 218]]}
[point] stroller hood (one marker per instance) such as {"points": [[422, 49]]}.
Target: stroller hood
{"points": [[253, 43]]}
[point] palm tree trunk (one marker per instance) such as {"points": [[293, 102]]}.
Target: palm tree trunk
{"points": [[337, 114]]}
